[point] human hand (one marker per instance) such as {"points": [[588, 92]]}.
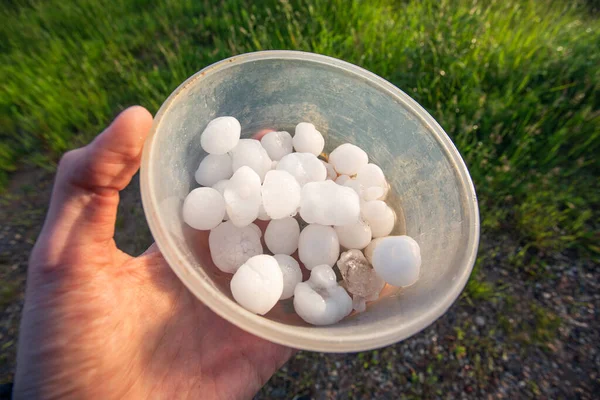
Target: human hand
{"points": [[100, 324]]}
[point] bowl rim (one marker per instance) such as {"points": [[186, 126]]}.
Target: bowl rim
{"points": [[278, 332]]}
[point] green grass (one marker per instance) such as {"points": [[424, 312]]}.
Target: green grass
{"points": [[9, 292], [515, 83]]}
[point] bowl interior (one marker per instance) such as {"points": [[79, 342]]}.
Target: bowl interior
{"points": [[431, 190]]}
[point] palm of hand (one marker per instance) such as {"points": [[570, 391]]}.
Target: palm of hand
{"points": [[100, 324]]}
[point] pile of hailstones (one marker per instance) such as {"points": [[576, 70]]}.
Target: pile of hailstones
{"points": [[340, 202]]}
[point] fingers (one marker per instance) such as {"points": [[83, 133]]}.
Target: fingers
{"points": [[85, 197], [108, 163]]}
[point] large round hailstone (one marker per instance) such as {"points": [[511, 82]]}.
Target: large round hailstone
{"points": [[203, 208], [292, 274], [321, 300], [214, 168], [221, 135], [396, 259], [354, 236], [372, 179], [277, 144], [280, 194], [328, 203], [305, 167], [348, 159], [231, 246], [250, 153], [318, 245], [380, 217], [242, 197], [282, 235], [258, 284], [307, 139]]}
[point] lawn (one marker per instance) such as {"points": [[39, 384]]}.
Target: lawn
{"points": [[515, 83]]}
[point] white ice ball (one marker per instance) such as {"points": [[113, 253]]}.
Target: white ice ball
{"points": [[396, 259], [282, 235], [307, 139], [380, 217], [203, 208], [292, 274], [280, 194], [277, 144], [242, 197], [373, 193], [250, 153], [305, 167], [328, 203], [354, 236], [221, 135], [258, 284], [318, 245], [213, 168], [231, 246], [320, 300], [348, 159], [372, 179]]}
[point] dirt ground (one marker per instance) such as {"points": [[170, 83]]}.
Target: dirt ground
{"points": [[532, 337]]}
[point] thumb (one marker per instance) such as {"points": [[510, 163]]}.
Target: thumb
{"points": [[83, 207]]}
